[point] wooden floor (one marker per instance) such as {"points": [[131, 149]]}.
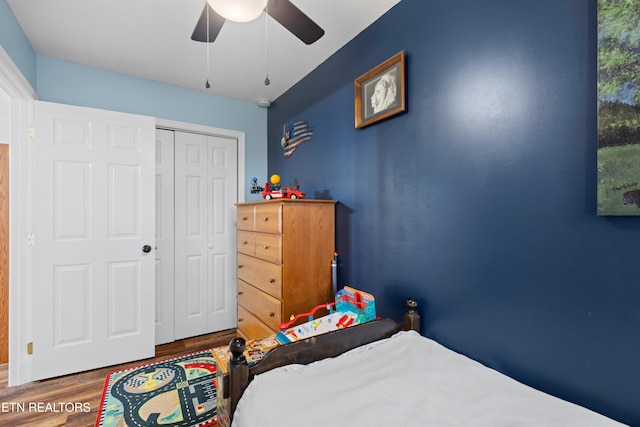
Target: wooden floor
{"points": [[83, 389]]}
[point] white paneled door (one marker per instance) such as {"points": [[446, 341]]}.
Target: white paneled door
{"points": [[205, 234], [93, 240]]}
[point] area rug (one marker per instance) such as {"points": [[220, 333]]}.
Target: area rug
{"points": [[177, 392]]}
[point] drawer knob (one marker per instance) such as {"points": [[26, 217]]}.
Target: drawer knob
{"points": [[272, 314], [265, 219], [265, 247], [244, 242], [240, 319], [239, 265], [240, 293], [272, 280], [244, 218]]}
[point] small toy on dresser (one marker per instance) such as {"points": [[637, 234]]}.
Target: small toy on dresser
{"points": [[275, 190]]}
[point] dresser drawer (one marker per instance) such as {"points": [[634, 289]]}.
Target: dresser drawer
{"points": [[261, 274], [268, 247], [262, 305], [247, 242], [246, 218], [269, 218], [250, 327]]}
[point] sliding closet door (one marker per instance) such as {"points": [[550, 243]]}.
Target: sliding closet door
{"points": [[205, 234], [164, 236]]}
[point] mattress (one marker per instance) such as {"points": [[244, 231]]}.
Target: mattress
{"points": [[406, 380]]}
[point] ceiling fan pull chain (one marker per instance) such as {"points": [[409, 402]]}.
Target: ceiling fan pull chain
{"points": [[207, 84], [266, 44]]}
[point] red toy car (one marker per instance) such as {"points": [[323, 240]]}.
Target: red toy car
{"points": [[283, 193]]}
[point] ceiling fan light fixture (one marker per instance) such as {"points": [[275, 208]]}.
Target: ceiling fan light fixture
{"points": [[238, 10]]}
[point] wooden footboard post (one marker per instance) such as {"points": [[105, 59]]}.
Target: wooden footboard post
{"points": [[411, 317], [238, 371]]}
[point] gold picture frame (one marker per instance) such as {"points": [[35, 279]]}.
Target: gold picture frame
{"points": [[380, 92]]}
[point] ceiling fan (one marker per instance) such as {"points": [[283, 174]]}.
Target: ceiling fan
{"points": [[283, 11]]}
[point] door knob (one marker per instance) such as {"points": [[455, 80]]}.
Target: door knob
{"points": [[146, 249]]}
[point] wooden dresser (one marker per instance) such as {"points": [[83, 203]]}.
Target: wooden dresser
{"points": [[285, 248]]}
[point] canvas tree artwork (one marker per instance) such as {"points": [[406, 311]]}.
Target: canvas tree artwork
{"points": [[618, 107]]}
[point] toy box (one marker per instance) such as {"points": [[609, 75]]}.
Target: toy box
{"points": [[352, 308]]}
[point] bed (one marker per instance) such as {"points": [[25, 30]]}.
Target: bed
{"points": [[376, 374]]}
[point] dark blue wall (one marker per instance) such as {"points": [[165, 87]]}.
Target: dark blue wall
{"points": [[480, 200]]}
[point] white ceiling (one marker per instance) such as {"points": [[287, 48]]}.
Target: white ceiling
{"points": [[151, 39]]}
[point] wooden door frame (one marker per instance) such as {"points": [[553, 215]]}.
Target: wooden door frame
{"points": [[4, 253]]}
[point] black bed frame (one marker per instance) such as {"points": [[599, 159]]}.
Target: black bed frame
{"points": [[331, 344]]}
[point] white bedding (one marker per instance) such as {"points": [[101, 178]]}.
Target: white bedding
{"points": [[406, 380]]}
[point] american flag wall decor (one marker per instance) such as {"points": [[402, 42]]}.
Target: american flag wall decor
{"points": [[294, 134]]}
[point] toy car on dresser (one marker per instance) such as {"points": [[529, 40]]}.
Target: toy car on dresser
{"points": [[275, 190], [283, 193]]}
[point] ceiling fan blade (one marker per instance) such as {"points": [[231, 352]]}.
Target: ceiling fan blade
{"points": [[215, 24], [294, 20]]}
